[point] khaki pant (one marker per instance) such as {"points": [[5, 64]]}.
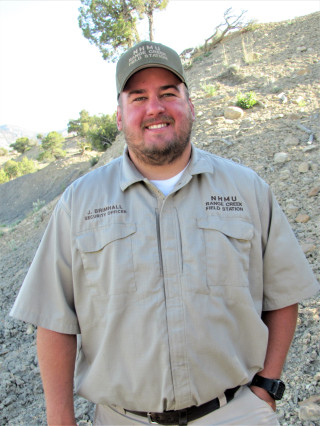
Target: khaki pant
{"points": [[245, 409]]}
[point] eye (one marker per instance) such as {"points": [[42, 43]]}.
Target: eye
{"points": [[168, 94], [139, 99]]}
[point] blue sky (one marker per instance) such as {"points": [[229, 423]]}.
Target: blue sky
{"points": [[49, 72]]}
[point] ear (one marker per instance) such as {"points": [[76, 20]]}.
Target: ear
{"points": [[119, 118], [192, 109]]}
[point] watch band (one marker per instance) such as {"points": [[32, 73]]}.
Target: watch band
{"points": [[275, 387]]}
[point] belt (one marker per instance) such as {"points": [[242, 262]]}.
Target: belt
{"points": [[182, 417]]}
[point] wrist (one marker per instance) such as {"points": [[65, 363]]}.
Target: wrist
{"points": [[274, 387]]}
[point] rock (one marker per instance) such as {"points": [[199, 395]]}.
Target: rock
{"points": [[233, 113], [291, 140], [303, 167], [291, 209], [30, 329], [283, 98], [310, 408], [308, 248], [302, 218], [299, 100], [285, 174], [280, 157], [314, 191], [301, 49]]}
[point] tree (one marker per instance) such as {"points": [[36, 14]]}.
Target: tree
{"points": [[81, 125], [52, 147], [232, 22], [11, 169], [111, 25], [103, 132], [149, 7], [21, 145], [94, 131]]}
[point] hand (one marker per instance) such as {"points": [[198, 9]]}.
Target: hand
{"points": [[263, 394]]}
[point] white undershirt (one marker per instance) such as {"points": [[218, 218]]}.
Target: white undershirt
{"points": [[167, 185]]}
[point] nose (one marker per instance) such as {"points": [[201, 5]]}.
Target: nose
{"points": [[154, 106]]}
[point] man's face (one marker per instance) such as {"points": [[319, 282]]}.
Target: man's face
{"points": [[156, 116]]}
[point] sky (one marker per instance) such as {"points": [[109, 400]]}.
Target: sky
{"points": [[49, 72]]}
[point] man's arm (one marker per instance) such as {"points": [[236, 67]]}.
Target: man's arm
{"points": [[57, 354], [281, 324]]}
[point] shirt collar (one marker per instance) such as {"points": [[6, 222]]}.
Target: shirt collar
{"points": [[199, 163]]}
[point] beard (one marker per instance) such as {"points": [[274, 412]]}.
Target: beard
{"points": [[164, 152]]}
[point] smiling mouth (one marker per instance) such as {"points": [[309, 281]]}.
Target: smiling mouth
{"points": [[157, 126]]}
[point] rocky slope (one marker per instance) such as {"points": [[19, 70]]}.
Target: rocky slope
{"points": [[278, 138]]}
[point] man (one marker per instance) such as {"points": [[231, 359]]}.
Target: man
{"points": [[176, 269]]}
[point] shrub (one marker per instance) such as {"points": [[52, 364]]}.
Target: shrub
{"points": [[94, 160], [21, 145], [209, 89], [13, 169], [26, 166], [52, 147], [246, 101], [3, 151], [3, 176]]}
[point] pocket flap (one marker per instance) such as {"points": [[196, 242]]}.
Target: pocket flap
{"points": [[95, 240], [234, 228]]}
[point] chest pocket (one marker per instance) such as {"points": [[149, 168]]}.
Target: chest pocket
{"points": [[107, 258], [227, 250]]}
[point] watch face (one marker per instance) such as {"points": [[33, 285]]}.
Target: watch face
{"points": [[278, 389]]}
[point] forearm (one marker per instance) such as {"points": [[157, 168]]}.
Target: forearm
{"points": [[281, 325], [56, 354]]}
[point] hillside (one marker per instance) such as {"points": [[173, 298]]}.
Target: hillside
{"points": [[278, 138]]}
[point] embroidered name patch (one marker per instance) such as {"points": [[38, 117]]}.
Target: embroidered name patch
{"points": [[224, 204], [104, 211]]}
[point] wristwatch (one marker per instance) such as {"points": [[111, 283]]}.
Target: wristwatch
{"points": [[274, 387]]}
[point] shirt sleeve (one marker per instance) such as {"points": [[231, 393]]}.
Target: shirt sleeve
{"points": [[288, 277], [46, 297]]}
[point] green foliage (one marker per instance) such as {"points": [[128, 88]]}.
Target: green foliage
{"points": [[111, 25], [13, 169], [3, 151], [247, 100], [21, 145], [97, 131], [94, 160], [103, 131], [3, 176], [26, 166], [250, 26], [52, 147], [37, 205], [209, 89], [80, 125]]}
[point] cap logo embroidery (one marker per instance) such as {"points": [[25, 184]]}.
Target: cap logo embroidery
{"points": [[146, 52]]}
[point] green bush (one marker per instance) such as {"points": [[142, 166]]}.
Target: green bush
{"points": [[13, 169], [209, 89], [52, 147], [94, 160], [247, 100], [21, 145], [3, 176], [3, 151]]}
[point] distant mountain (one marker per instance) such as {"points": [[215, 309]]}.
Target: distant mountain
{"points": [[10, 133]]}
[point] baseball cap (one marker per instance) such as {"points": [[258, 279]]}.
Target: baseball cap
{"points": [[147, 54]]}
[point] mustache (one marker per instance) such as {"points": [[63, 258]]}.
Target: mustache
{"points": [[163, 118]]}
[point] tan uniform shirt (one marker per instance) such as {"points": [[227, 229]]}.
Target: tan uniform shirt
{"points": [[166, 292]]}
